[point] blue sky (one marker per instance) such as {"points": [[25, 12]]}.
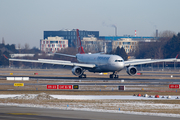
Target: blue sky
{"points": [[23, 21]]}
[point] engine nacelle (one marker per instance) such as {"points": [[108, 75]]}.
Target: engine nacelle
{"points": [[78, 71], [131, 70]]}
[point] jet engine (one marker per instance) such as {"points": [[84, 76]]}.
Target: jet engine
{"points": [[131, 70], [78, 71]]}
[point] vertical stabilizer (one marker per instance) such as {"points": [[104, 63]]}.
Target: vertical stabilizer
{"points": [[80, 48]]}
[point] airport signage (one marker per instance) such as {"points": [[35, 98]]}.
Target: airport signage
{"points": [[51, 86], [75, 86], [18, 84], [121, 87], [176, 86], [65, 87]]}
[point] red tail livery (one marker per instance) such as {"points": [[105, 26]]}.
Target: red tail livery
{"points": [[80, 48]]}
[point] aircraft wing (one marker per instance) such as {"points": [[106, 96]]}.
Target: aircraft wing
{"points": [[65, 55], [53, 60], [139, 62], [56, 62]]}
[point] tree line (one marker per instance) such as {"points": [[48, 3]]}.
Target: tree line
{"points": [[164, 47]]}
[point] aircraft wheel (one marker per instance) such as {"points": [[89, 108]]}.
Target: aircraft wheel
{"points": [[111, 76], [117, 76]]}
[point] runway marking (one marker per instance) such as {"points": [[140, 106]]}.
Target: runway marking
{"points": [[22, 114]]}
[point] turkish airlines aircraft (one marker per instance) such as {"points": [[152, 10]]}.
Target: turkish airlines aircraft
{"points": [[97, 62]]}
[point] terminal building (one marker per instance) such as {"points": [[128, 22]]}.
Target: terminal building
{"points": [[92, 42], [53, 44], [70, 35]]}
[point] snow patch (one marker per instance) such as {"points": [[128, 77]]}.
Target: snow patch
{"points": [[41, 96]]}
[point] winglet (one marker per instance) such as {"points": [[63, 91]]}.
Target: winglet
{"points": [[5, 56], [177, 56]]}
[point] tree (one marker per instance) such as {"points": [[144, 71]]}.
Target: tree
{"points": [[165, 47], [167, 34], [121, 52], [26, 46], [171, 49], [4, 61]]}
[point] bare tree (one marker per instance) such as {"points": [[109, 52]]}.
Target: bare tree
{"points": [[26, 46], [167, 34], [19, 48]]}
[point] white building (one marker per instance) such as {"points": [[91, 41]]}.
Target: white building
{"points": [[128, 44], [53, 44], [91, 44]]}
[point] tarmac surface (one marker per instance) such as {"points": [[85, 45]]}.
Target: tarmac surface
{"points": [[26, 113]]}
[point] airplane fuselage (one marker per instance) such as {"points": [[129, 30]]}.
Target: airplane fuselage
{"points": [[104, 63]]}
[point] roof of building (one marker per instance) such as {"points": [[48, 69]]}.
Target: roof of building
{"points": [[119, 37]]}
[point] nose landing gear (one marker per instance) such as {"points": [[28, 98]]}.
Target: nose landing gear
{"points": [[114, 75]]}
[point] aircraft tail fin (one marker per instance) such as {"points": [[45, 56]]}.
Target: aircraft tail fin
{"points": [[177, 56], [5, 57], [80, 48]]}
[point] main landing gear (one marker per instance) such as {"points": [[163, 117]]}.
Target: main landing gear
{"points": [[114, 75], [82, 76]]}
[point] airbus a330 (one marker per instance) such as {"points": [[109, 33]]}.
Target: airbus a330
{"points": [[97, 62]]}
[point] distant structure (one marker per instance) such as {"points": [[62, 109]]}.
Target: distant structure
{"points": [[3, 42], [92, 42], [156, 32], [128, 44], [70, 35], [115, 30], [53, 44]]}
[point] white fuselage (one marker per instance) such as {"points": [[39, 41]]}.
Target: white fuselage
{"points": [[104, 63]]}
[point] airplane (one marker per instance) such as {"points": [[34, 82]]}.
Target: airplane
{"points": [[97, 63]]}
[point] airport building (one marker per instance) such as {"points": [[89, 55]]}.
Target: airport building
{"points": [[92, 42], [93, 45], [128, 44], [70, 35], [53, 44]]}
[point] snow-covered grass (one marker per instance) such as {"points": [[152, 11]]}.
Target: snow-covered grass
{"points": [[104, 103]]}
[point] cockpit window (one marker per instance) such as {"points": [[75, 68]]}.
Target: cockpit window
{"points": [[118, 60]]}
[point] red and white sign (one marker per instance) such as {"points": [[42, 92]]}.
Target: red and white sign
{"points": [[121, 87], [139, 73], [65, 87], [174, 86], [51, 86]]}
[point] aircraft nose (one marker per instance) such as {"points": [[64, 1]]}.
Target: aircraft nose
{"points": [[121, 65]]}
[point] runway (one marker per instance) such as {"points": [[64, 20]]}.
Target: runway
{"points": [[148, 79], [26, 113], [92, 84]]}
